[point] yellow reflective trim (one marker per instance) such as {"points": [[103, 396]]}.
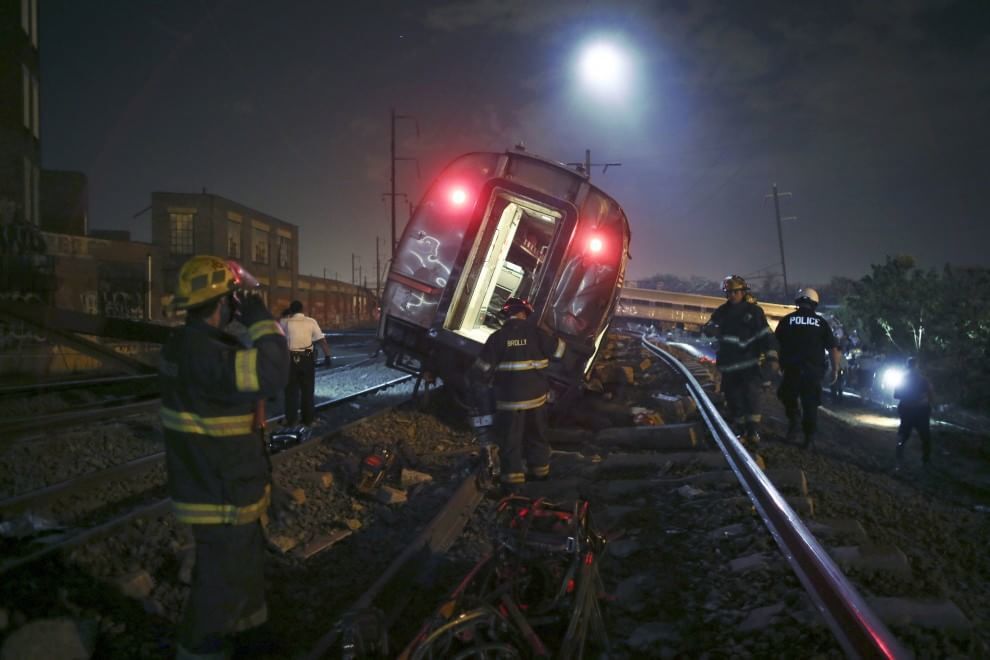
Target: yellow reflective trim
{"points": [[246, 370], [262, 328], [221, 514], [561, 347], [522, 365], [513, 478], [186, 422], [540, 470], [521, 405]]}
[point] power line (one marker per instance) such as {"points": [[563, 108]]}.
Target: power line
{"points": [[587, 165]]}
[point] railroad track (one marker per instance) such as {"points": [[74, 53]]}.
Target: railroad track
{"points": [[77, 487], [689, 567]]}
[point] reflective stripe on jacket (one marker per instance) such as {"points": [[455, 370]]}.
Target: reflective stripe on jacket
{"points": [[518, 354], [218, 471], [744, 336]]}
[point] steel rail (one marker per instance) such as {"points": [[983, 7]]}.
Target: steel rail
{"points": [[53, 386], [162, 506], [857, 629], [20, 426]]}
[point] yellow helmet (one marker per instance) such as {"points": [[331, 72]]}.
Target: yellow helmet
{"points": [[204, 278]]}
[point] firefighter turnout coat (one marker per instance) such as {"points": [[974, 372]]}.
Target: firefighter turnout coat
{"points": [[744, 336], [219, 473], [518, 354]]}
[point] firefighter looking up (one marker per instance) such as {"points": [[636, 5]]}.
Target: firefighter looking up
{"points": [[745, 343], [517, 355], [219, 474], [804, 338]]}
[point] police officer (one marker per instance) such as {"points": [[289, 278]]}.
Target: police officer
{"points": [[302, 332], [915, 396], [218, 471], [517, 355], [804, 338], [745, 342]]}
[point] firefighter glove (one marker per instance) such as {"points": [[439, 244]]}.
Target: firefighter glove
{"points": [[251, 309]]}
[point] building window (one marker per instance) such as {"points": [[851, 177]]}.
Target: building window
{"points": [[34, 22], [28, 190], [180, 233], [260, 246], [284, 253], [26, 88], [233, 239], [36, 103]]}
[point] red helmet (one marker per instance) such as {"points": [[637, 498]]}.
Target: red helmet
{"points": [[516, 305]]}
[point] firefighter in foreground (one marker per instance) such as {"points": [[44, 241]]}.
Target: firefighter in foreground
{"points": [[517, 355], [746, 349], [805, 338], [219, 474]]}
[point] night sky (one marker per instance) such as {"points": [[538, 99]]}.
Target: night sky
{"points": [[875, 115]]}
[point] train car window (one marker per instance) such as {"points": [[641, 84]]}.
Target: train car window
{"points": [[509, 260], [544, 177]]}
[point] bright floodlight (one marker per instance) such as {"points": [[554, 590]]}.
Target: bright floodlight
{"points": [[604, 68], [892, 378], [458, 196]]}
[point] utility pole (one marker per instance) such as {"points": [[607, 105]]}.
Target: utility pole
{"points": [[378, 269], [780, 232], [587, 165], [392, 159], [353, 268]]}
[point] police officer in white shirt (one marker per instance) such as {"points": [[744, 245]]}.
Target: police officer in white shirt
{"points": [[302, 332]]}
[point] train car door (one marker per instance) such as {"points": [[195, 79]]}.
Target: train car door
{"points": [[509, 259]]}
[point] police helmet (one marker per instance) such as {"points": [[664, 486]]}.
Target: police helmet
{"points": [[807, 296], [734, 283], [516, 305]]}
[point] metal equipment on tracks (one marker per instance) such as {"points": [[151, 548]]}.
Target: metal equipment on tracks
{"points": [[537, 595]]}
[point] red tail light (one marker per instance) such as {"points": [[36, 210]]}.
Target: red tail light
{"points": [[458, 196], [595, 245]]}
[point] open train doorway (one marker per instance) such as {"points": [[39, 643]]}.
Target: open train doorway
{"points": [[509, 261]]}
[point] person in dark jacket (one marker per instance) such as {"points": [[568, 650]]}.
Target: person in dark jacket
{"points": [[915, 397], [516, 355], [219, 474], [745, 342], [805, 338]]}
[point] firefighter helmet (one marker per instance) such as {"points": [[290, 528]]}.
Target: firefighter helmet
{"points": [[204, 278], [807, 295], [516, 305], [734, 283]]}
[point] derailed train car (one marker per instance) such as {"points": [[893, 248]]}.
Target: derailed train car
{"points": [[492, 226]]}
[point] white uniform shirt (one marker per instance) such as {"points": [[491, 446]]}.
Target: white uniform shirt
{"points": [[301, 331]]}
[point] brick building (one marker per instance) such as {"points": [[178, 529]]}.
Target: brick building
{"points": [[184, 224]]}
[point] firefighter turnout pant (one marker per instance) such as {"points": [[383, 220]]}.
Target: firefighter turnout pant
{"points": [[302, 381], [801, 385], [228, 589], [915, 418], [743, 390], [523, 434]]}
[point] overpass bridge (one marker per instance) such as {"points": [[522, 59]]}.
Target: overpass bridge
{"points": [[670, 309]]}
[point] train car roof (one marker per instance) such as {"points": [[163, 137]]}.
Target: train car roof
{"points": [[518, 153]]}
